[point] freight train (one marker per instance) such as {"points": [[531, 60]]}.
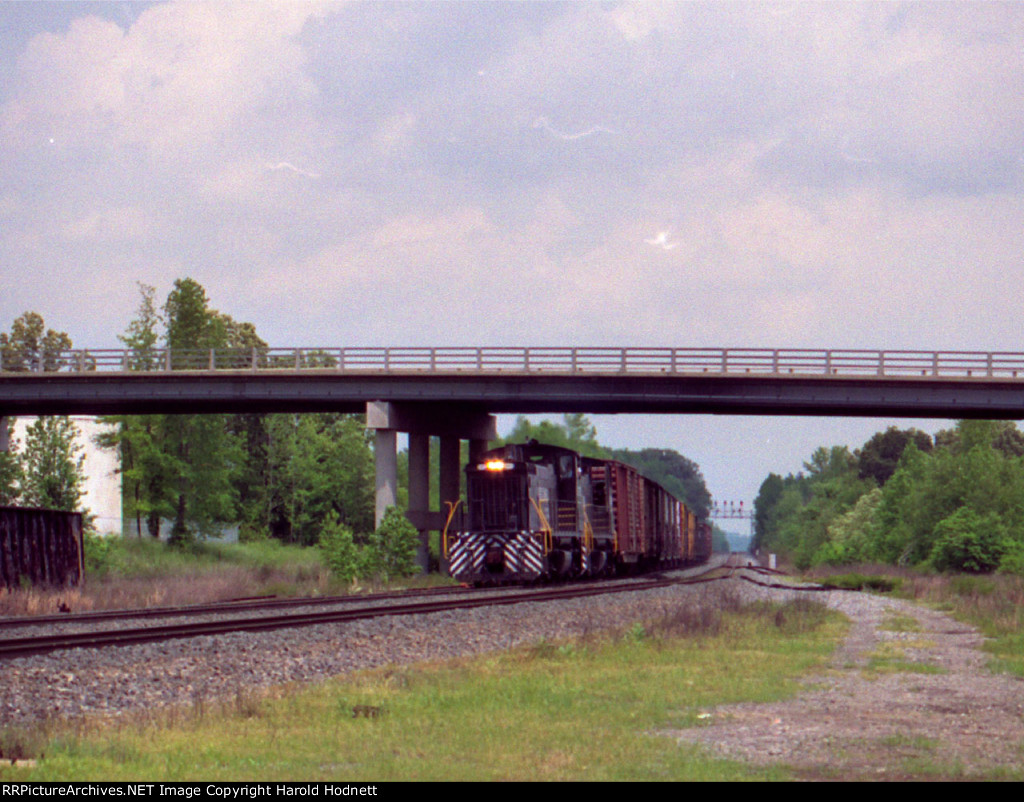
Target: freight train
{"points": [[538, 511]]}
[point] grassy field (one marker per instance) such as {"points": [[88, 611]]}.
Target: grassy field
{"points": [[597, 708]]}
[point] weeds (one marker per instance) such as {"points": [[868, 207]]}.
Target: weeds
{"points": [[881, 584], [891, 658], [896, 622]]}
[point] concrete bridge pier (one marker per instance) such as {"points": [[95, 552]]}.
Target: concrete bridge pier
{"points": [[451, 423]]}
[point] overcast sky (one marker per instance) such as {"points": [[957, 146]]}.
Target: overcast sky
{"points": [[679, 174]]}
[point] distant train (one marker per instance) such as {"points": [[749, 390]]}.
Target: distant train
{"points": [[536, 511]]}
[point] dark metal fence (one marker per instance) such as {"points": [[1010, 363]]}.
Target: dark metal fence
{"points": [[40, 547]]}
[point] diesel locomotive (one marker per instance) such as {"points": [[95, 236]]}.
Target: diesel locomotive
{"points": [[537, 511]]}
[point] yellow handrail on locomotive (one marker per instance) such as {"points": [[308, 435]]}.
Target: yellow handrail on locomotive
{"points": [[545, 527], [588, 532], [444, 535]]}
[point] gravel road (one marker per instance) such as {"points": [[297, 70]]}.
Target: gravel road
{"points": [[937, 711]]}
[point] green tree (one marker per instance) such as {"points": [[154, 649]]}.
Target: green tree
{"points": [[766, 512], [10, 471], [191, 326], [879, 456], [29, 348], [318, 465], [204, 454], [143, 334], [848, 534], [180, 466], [575, 432], [146, 470], [53, 465]]}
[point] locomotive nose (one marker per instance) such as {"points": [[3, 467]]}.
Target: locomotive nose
{"points": [[494, 560]]}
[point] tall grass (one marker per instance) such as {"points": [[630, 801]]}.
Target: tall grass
{"points": [[129, 573], [123, 573]]}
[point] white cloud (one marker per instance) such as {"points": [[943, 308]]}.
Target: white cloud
{"points": [[184, 76]]}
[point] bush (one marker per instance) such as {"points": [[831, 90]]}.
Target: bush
{"points": [[100, 552], [339, 550], [966, 541], [1013, 559], [395, 543]]}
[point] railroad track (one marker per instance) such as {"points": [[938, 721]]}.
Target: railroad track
{"points": [[230, 606], [12, 647]]}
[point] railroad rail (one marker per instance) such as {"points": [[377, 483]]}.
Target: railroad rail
{"points": [[214, 608], [857, 363], [41, 644]]}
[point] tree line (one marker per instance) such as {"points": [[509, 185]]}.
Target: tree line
{"points": [[955, 502]]}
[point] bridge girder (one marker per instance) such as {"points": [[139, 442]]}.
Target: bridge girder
{"points": [[225, 391]]}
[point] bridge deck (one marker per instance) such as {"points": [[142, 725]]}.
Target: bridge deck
{"points": [[595, 380]]}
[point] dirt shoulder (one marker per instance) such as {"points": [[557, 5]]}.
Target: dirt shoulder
{"points": [[908, 696]]}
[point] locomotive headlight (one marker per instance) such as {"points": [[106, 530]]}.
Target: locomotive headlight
{"points": [[496, 465]]}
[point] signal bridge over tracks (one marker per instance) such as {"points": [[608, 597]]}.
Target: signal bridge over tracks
{"points": [[453, 393]]}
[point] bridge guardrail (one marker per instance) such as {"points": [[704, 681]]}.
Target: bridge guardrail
{"points": [[540, 359]]}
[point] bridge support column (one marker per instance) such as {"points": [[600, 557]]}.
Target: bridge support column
{"points": [[385, 453], [450, 470], [419, 494], [451, 423]]}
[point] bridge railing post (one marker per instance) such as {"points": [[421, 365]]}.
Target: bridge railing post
{"points": [[673, 364], [725, 360], [167, 359], [775, 361], [622, 360], [213, 360], [988, 363], [881, 363], [828, 363], [572, 361]]}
